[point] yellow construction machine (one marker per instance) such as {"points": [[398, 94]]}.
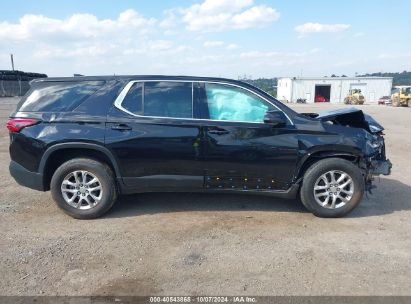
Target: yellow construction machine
{"points": [[401, 96], [354, 97]]}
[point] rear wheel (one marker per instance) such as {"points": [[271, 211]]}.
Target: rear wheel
{"points": [[84, 188], [332, 187], [409, 102]]}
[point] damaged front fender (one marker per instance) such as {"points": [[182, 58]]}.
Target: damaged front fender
{"points": [[351, 117]]}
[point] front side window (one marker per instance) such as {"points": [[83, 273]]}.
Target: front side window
{"points": [[168, 99], [230, 103]]}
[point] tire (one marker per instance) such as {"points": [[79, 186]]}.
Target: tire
{"points": [[312, 178], [89, 203]]}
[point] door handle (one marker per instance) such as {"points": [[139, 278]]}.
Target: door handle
{"points": [[121, 127]]}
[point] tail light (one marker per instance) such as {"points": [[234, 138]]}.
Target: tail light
{"points": [[17, 124]]}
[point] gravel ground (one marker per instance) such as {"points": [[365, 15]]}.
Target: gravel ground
{"points": [[190, 244]]}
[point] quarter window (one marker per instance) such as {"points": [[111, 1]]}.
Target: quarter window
{"points": [[235, 104], [133, 102], [58, 96], [168, 99]]}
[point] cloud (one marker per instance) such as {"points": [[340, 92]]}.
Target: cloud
{"points": [[219, 15], [83, 43], [178, 42], [170, 20], [76, 27], [210, 44], [264, 55], [257, 16], [62, 53], [310, 27], [257, 54], [219, 43], [160, 45], [232, 46]]}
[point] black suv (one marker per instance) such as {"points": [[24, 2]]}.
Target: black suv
{"points": [[88, 139]]}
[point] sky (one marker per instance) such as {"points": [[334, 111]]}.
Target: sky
{"points": [[225, 38]]}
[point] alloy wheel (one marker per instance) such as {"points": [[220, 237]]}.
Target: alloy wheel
{"points": [[333, 189], [81, 190]]}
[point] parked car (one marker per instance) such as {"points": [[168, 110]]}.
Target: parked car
{"points": [[89, 139], [385, 100], [320, 98]]}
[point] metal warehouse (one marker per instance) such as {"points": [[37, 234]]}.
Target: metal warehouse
{"points": [[332, 89]]}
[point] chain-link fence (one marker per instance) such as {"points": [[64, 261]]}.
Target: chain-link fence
{"points": [[16, 83]]}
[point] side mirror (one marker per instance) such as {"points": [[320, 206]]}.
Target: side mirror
{"points": [[275, 118]]}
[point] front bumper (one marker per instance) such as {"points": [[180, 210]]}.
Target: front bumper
{"points": [[24, 177], [379, 167]]}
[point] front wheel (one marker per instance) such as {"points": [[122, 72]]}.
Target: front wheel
{"points": [[332, 187], [84, 188], [395, 102]]}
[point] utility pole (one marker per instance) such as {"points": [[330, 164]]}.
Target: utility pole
{"points": [[12, 61]]}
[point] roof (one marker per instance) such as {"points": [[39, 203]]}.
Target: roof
{"points": [[138, 77], [336, 78], [127, 78]]}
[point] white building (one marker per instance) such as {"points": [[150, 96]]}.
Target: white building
{"points": [[333, 89]]}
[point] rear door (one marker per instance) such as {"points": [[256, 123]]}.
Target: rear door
{"points": [[151, 132], [240, 150]]}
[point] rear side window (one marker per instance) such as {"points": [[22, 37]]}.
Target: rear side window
{"points": [[161, 98], [168, 99], [58, 96]]}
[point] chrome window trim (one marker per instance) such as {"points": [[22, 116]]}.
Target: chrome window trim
{"points": [[143, 90], [123, 93], [192, 100]]}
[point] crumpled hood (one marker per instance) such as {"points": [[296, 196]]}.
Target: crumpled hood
{"points": [[350, 117]]}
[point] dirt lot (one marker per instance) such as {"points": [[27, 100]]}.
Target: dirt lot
{"points": [[188, 244]]}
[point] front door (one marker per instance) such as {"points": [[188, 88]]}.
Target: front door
{"points": [[240, 150]]}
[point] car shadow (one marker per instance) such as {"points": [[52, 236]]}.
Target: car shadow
{"points": [[153, 203], [389, 196]]}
